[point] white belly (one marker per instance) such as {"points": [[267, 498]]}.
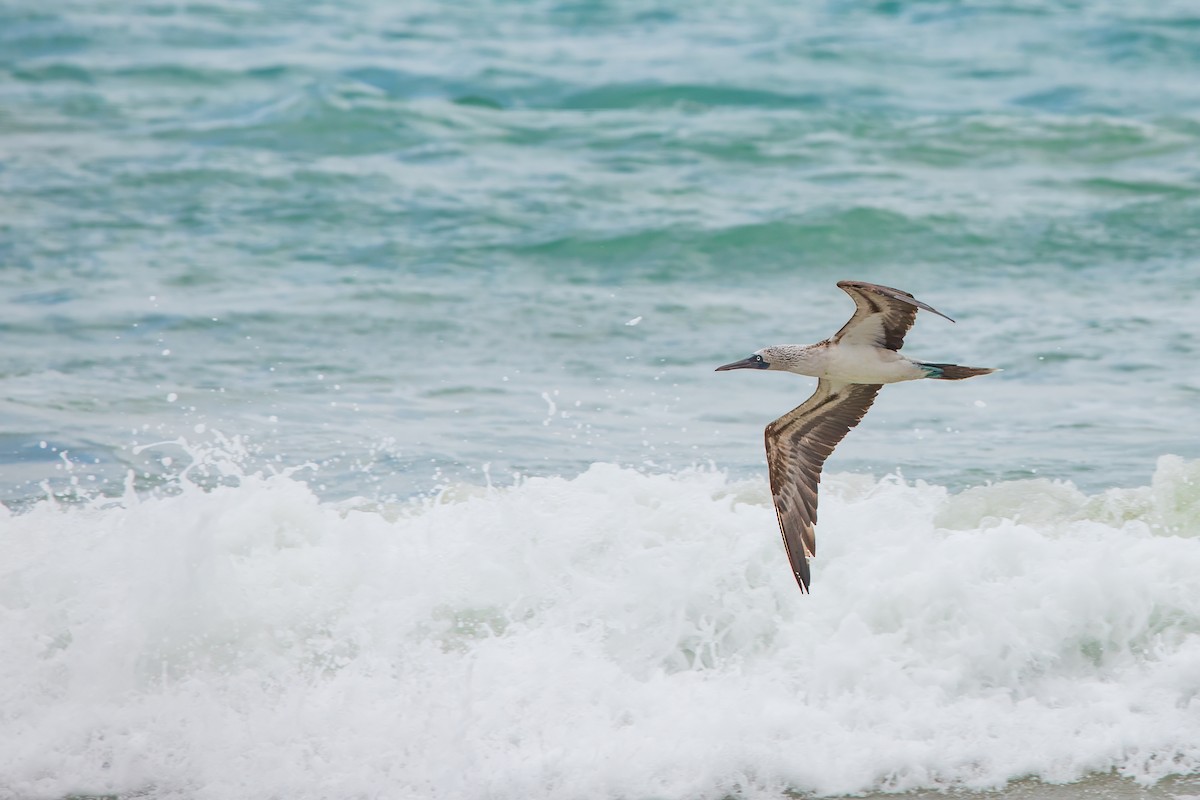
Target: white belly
{"points": [[866, 364]]}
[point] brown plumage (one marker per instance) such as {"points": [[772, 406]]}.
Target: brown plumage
{"points": [[896, 312], [852, 367], [797, 445]]}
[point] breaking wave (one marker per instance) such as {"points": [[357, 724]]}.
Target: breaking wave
{"points": [[615, 634]]}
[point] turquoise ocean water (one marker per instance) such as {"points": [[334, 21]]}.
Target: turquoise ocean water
{"points": [[359, 434]]}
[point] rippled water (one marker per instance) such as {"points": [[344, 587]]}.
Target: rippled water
{"points": [[400, 251], [365, 235]]}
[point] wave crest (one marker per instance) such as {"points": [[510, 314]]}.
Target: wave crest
{"points": [[613, 634]]}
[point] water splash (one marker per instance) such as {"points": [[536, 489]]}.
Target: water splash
{"points": [[614, 634]]}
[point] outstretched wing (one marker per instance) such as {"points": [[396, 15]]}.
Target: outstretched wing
{"points": [[797, 445], [882, 317]]}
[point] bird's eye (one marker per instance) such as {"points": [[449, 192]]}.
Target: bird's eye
{"points": [[758, 359]]}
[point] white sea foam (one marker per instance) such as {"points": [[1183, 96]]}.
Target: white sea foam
{"points": [[618, 634]]}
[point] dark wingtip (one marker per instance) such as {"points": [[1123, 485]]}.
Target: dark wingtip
{"points": [[803, 577]]}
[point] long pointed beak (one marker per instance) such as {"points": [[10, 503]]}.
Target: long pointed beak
{"points": [[753, 362]]}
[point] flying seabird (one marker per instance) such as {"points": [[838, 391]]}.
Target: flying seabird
{"points": [[852, 367]]}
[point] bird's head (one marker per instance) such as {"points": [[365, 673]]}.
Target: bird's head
{"points": [[767, 358], [789, 358]]}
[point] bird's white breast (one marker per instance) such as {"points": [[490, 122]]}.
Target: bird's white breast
{"points": [[847, 363]]}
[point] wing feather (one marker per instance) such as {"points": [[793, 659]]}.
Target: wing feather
{"points": [[797, 445], [882, 316]]}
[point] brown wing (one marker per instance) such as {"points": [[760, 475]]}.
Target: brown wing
{"points": [[882, 317], [797, 445]]}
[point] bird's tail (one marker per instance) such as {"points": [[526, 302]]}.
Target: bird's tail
{"points": [[952, 372]]}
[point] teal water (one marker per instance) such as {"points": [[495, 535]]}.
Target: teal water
{"points": [[374, 236], [388, 250]]}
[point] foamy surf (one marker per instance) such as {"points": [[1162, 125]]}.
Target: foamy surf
{"points": [[617, 634]]}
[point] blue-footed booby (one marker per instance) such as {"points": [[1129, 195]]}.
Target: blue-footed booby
{"points": [[851, 367]]}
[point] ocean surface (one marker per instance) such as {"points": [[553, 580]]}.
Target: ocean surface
{"points": [[359, 433]]}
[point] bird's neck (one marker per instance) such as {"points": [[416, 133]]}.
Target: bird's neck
{"points": [[805, 359]]}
